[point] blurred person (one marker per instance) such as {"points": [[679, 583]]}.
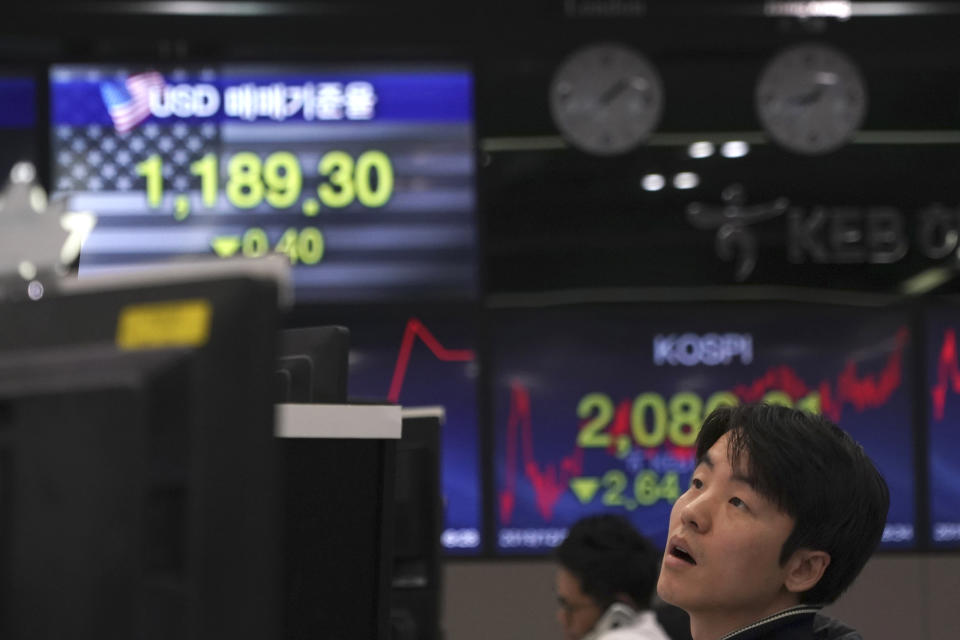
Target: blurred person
{"points": [[605, 580]]}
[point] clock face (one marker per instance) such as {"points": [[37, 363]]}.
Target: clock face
{"points": [[811, 99], [606, 99]]}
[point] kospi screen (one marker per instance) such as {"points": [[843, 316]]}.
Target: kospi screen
{"points": [[362, 176], [943, 417], [420, 357], [597, 409]]}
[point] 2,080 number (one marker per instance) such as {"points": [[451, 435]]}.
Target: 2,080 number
{"points": [[654, 420]]}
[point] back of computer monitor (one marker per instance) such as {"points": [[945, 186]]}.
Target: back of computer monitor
{"points": [[338, 503], [95, 520], [138, 475], [293, 377], [415, 595], [322, 353]]}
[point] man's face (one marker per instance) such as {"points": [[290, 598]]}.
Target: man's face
{"points": [[577, 612], [723, 549]]}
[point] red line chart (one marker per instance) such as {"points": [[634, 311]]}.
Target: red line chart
{"points": [[549, 482], [948, 374], [414, 330], [862, 392]]}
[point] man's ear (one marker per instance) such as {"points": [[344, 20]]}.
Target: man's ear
{"points": [[804, 569]]}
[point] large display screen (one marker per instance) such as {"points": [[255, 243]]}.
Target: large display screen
{"points": [[426, 358], [362, 176], [943, 417], [597, 409], [17, 119]]}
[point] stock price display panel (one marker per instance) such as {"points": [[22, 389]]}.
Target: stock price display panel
{"points": [[943, 416], [427, 358], [362, 176], [17, 121], [598, 409]]}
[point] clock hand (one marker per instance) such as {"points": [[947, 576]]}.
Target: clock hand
{"points": [[612, 92], [810, 97], [822, 80]]}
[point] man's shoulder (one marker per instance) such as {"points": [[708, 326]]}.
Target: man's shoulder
{"points": [[826, 628]]}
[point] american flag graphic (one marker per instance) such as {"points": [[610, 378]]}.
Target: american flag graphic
{"points": [[129, 102]]}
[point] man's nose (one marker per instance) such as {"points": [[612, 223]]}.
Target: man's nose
{"points": [[696, 513]]}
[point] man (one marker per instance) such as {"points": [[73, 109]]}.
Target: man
{"points": [[605, 580], [782, 513]]}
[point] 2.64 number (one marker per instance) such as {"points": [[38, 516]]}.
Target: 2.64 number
{"points": [[648, 488]]}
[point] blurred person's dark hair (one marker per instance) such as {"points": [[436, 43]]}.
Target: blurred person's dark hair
{"points": [[609, 558]]}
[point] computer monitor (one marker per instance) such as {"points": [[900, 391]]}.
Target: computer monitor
{"points": [[415, 596], [424, 357], [338, 508], [312, 364], [138, 464], [292, 379]]}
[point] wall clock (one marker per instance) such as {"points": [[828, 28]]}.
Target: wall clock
{"points": [[811, 99], [606, 99]]}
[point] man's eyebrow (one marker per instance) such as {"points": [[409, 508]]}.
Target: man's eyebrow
{"points": [[706, 460], [736, 476]]}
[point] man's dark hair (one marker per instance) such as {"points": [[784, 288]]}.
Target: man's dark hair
{"points": [[609, 557], [816, 473]]}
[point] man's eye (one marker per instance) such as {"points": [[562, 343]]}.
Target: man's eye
{"points": [[737, 502], [696, 483]]}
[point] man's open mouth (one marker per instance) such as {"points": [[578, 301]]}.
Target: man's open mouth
{"points": [[679, 552]]}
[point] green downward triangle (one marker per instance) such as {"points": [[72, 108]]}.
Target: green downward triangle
{"points": [[225, 246], [585, 488]]}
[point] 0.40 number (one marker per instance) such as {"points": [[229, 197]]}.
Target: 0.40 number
{"points": [[305, 245]]}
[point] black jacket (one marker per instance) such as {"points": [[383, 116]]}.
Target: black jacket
{"points": [[801, 623], [795, 623], [825, 628]]}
